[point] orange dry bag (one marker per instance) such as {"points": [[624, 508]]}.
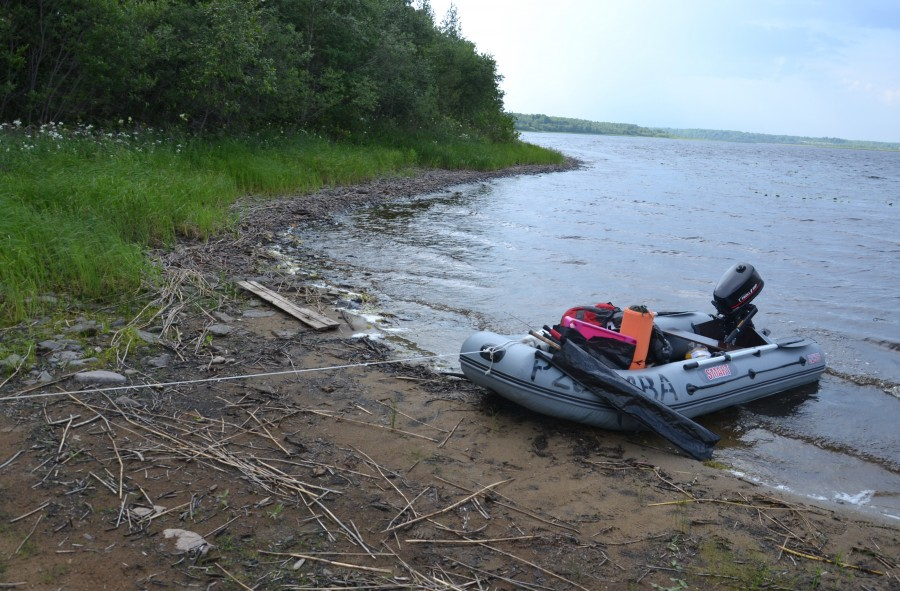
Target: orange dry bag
{"points": [[637, 322]]}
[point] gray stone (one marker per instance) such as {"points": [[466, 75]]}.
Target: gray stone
{"points": [[126, 402], [258, 313], [188, 542], [99, 376], [63, 358], [82, 362], [160, 361], [148, 337], [219, 330], [86, 328], [286, 334]]}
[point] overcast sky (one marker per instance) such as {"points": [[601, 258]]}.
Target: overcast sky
{"points": [[796, 67]]}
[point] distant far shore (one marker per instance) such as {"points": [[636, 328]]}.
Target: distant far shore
{"points": [[549, 123]]}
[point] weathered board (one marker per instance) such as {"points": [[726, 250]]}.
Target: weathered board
{"points": [[305, 315]]}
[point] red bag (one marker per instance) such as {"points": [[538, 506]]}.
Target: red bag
{"points": [[602, 315]]}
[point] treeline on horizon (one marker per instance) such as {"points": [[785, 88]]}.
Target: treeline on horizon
{"points": [[343, 68], [540, 122], [546, 123]]}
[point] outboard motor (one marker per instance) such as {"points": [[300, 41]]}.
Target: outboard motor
{"points": [[732, 297]]}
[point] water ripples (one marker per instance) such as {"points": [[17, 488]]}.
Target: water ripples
{"points": [[657, 222]]}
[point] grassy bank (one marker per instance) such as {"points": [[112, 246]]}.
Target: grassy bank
{"points": [[80, 208]]}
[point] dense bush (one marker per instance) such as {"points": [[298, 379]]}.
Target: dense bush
{"points": [[349, 68]]}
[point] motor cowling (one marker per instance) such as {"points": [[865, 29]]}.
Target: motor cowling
{"points": [[736, 289]]}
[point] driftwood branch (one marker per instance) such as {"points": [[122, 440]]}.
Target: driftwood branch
{"points": [[829, 561]]}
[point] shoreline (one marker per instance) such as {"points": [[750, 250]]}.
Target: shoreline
{"points": [[407, 476]]}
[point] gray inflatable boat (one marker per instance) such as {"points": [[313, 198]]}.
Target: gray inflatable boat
{"points": [[743, 365]]}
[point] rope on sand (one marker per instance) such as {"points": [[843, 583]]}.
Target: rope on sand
{"points": [[22, 396]]}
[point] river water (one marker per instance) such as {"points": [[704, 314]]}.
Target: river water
{"points": [[656, 221]]}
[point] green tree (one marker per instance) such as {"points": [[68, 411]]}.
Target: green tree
{"points": [[344, 67], [64, 58]]}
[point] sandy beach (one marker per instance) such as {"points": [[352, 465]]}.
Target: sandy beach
{"points": [[247, 450]]}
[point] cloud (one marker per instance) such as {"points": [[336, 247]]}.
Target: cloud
{"points": [[805, 67]]}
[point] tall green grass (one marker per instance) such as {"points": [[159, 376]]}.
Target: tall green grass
{"points": [[79, 209], [481, 156], [296, 165]]}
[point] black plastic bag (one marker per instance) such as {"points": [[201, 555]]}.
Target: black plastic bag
{"points": [[660, 351], [611, 352]]}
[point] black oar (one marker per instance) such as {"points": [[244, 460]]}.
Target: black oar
{"points": [[690, 437]]}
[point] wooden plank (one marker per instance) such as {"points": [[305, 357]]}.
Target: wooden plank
{"points": [[694, 338], [305, 315]]}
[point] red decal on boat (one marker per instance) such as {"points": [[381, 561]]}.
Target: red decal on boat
{"points": [[814, 358], [719, 371]]}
